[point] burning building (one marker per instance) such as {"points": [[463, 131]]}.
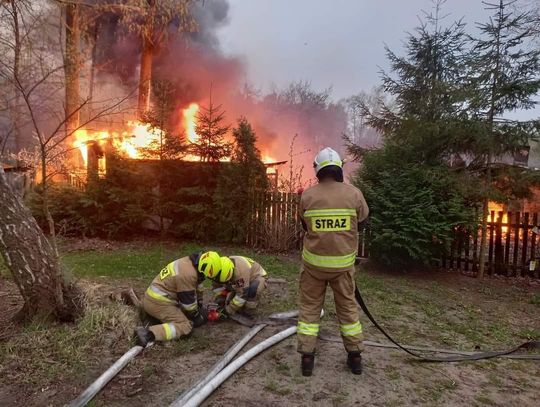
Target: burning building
{"points": [[140, 142]]}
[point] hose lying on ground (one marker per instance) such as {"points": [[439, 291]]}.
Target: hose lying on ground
{"points": [[461, 358], [213, 384], [102, 380], [231, 353], [335, 338]]}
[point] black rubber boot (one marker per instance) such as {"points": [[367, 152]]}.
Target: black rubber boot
{"points": [[144, 336], [354, 361], [308, 362]]}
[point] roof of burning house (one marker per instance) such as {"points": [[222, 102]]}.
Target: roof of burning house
{"points": [[14, 168]]}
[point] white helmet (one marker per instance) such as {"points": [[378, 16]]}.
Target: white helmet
{"points": [[326, 157]]}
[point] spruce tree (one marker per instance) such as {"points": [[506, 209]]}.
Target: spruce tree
{"points": [[239, 182], [211, 145], [168, 145], [416, 198], [505, 77]]}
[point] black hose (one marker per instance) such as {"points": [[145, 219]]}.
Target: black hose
{"points": [[530, 345]]}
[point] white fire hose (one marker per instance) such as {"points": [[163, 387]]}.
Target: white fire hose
{"points": [[231, 353], [213, 384], [105, 378]]}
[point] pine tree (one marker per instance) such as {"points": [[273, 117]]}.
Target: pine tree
{"points": [[506, 77], [416, 198], [169, 143], [211, 145], [239, 181]]}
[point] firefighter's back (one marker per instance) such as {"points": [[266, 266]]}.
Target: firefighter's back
{"points": [[331, 211]]}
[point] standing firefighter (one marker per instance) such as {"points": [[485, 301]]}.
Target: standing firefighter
{"points": [[330, 214], [240, 286], [174, 297]]}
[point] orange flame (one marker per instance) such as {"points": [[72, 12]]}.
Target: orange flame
{"points": [[189, 121], [496, 208], [128, 143], [266, 158]]}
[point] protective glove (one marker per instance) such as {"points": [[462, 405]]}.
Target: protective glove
{"points": [[199, 319]]}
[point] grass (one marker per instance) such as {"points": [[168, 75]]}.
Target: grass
{"points": [[484, 400], [277, 388], [45, 352]]}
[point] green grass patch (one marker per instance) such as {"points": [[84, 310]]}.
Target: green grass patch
{"points": [[277, 388], [45, 352], [535, 299]]}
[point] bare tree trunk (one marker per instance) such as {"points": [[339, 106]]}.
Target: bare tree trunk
{"points": [[145, 78], [490, 124], [72, 67], [16, 72], [45, 200], [483, 238], [33, 263], [147, 53]]}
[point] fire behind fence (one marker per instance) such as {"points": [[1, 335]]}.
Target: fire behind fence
{"points": [[513, 249], [512, 244]]}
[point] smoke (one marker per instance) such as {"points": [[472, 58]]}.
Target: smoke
{"points": [[195, 65]]}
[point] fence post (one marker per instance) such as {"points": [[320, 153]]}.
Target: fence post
{"points": [[499, 253], [523, 269], [516, 244], [536, 270], [508, 243]]}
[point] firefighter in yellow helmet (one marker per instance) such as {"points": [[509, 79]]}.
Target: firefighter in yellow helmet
{"points": [[240, 285], [330, 213], [175, 297]]}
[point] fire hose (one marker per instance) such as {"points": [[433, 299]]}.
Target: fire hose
{"points": [[218, 367], [529, 345], [217, 380]]}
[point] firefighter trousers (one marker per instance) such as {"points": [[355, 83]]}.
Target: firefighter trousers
{"points": [[174, 322], [312, 292]]}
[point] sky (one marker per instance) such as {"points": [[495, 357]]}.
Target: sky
{"points": [[337, 43]]}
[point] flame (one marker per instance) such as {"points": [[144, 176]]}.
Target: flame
{"points": [[128, 143], [496, 208], [82, 137], [189, 121], [267, 158], [137, 136]]}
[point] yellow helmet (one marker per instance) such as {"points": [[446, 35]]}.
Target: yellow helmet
{"points": [[209, 264], [227, 268]]}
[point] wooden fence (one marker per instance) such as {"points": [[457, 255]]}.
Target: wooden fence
{"points": [[511, 245], [511, 242], [275, 223]]}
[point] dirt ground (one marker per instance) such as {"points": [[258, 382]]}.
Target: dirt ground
{"points": [[390, 378]]}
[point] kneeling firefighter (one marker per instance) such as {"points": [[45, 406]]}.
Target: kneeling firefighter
{"points": [[242, 280], [175, 297], [330, 212]]}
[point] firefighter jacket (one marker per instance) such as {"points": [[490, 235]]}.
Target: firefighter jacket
{"points": [[179, 282], [330, 212], [244, 282]]}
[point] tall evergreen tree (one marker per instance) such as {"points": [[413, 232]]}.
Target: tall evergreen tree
{"points": [[168, 145], [416, 198], [506, 77], [239, 182], [211, 145]]}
